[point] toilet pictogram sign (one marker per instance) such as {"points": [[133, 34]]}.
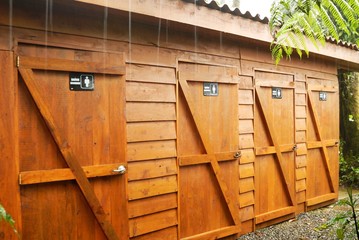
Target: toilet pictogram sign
{"points": [[82, 82]]}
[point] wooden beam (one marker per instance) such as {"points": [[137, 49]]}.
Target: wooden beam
{"points": [[70, 65], [271, 149], [208, 77], [201, 159], [215, 234], [320, 199], [269, 83], [69, 156], [274, 214], [320, 144], [65, 174]]}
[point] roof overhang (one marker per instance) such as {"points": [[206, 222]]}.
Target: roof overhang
{"points": [[204, 17]]}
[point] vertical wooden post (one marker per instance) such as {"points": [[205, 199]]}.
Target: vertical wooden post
{"points": [[9, 167]]}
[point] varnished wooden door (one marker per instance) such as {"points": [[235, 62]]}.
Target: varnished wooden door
{"points": [[208, 152], [71, 144], [274, 149], [323, 140]]}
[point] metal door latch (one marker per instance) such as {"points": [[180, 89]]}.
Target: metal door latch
{"points": [[120, 170], [295, 147], [237, 155]]}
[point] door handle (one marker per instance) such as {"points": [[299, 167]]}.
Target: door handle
{"points": [[120, 170]]}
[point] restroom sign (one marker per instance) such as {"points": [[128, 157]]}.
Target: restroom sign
{"points": [[210, 89], [82, 81]]}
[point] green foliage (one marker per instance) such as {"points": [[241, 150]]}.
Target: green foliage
{"points": [[7, 218], [346, 223], [292, 21], [349, 129]]}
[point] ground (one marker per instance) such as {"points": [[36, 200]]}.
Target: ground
{"points": [[305, 226]]}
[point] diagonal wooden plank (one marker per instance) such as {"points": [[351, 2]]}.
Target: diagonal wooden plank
{"points": [[277, 147], [228, 196], [69, 156], [320, 136]]}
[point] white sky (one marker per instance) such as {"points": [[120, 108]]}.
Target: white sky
{"points": [[261, 7]]}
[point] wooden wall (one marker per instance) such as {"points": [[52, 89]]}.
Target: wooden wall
{"points": [[151, 137], [153, 51]]}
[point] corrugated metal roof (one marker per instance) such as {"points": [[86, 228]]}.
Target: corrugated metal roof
{"points": [[233, 9], [343, 43]]}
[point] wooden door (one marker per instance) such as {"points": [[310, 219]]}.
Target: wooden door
{"points": [[274, 149], [71, 144], [208, 152], [323, 140]]}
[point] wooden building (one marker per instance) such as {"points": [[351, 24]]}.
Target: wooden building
{"points": [[215, 139]]}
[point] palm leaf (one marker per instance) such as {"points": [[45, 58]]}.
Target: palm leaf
{"points": [[314, 20]]}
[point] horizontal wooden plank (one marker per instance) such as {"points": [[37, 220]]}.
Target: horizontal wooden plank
{"points": [[71, 65], [273, 75], [301, 161], [274, 83], [246, 141], [301, 149], [245, 112], [152, 222], [150, 92], [271, 149], [245, 82], [300, 99], [301, 197], [247, 156], [246, 170], [247, 213], [300, 112], [146, 73], [206, 158], [301, 88], [64, 174], [246, 199], [208, 77], [245, 126], [301, 124], [142, 112], [169, 233], [245, 97], [274, 214], [300, 185], [215, 234], [151, 131], [152, 187], [300, 173], [321, 199], [325, 143], [141, 207], [324, 88], [151, 169], [300, 136], [151, 150], [246, 184]]}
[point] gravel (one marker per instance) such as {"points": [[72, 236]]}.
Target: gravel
{"points": [[303, 227]]}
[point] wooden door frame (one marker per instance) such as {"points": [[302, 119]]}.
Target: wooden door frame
{"points": [[210, 157], [277, 150], [25, 67], [321, 144]]}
